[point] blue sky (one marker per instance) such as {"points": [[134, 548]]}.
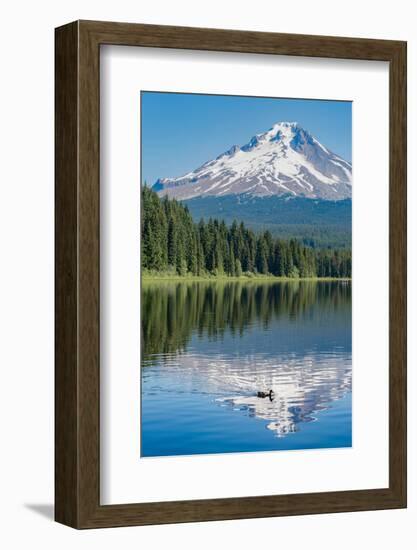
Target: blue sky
{"points": [[182, 131]]}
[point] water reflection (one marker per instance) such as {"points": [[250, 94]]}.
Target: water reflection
{"points": [[217, 345], [172, 311], [301, 388]]}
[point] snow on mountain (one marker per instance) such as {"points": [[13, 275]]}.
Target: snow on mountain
{"points": [[285, 160]]}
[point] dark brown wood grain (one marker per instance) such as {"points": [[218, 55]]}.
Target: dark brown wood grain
{"points": [[77, 371], [66, 238]]}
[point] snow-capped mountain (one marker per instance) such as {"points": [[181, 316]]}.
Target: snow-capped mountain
{"points": [[285, 160]]}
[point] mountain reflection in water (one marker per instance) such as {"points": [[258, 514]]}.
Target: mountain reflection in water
{"points": [[208, 348]]}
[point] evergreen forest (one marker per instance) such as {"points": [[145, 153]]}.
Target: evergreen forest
{"points": [[173, 243]]}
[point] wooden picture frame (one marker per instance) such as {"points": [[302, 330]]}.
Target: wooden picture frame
{"points": [[77, 405]]}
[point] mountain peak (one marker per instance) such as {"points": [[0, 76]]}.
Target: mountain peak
{"points": [[284, 160], [283, 124]]}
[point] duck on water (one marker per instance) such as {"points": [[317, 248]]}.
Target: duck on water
{"points": [[264, 394]]}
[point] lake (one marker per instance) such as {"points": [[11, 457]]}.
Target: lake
{"points": [[208, 348]]}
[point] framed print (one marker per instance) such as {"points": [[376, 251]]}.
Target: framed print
{"points": [[230, 274]]}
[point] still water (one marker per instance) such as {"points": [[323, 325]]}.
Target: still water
{"points": [[208, 348]]}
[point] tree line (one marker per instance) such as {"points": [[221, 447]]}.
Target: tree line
{"points": [[172, 241]]}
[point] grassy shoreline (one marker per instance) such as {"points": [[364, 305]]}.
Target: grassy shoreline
{"points": [[243, 279]]}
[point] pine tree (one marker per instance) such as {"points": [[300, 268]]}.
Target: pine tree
{"points": [[262, 255], [232, 262], [172, 243]]}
